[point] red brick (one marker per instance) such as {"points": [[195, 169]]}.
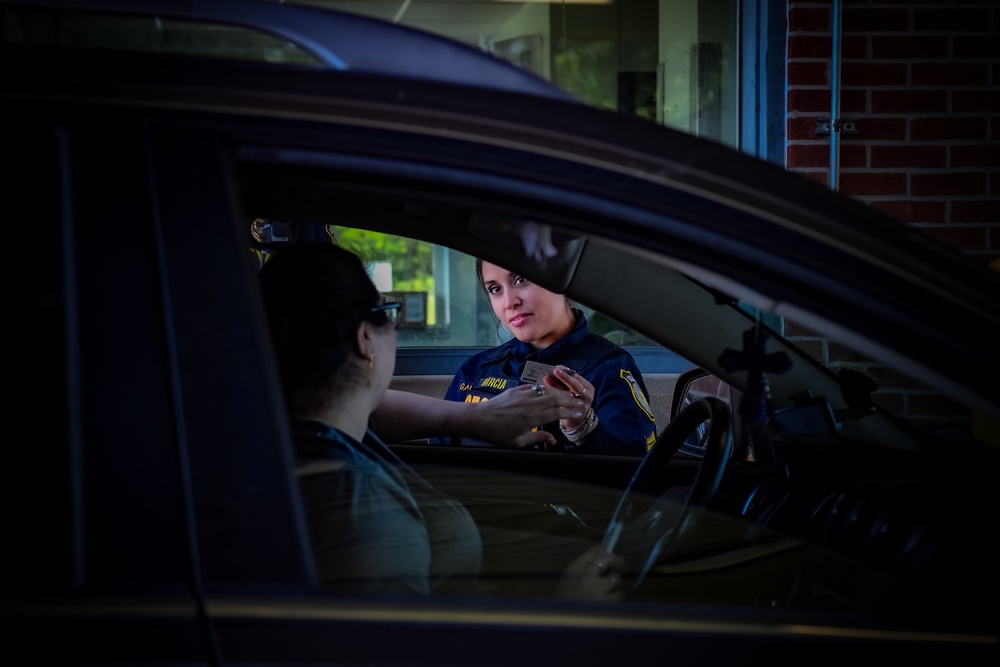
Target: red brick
{"points": [[872, 183], [817, 100], [881, 129], [873, 74], [811, 46], [948, 183], [973, 101], [808, 74], [977, 47], [802, 128], [979, 155], [874, 20], [925, 129], [910, 47], [853, 101], [808, 18], [976, 211], [854, 47], [818, 176], [808, 155], [909, 210], [966, 19], [853, 155], [793, 328], [962, 238], [896, 101], [949, 74], [909, 155]]}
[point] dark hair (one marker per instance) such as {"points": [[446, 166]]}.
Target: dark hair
{"points": [[482, 283], [315, 294], [479, 274]]}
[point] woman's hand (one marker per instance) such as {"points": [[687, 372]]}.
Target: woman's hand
{"points": [[595, 575], [579, 387], [508, 418]]}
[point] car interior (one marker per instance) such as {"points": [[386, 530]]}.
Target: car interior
{"points": [[140, 302], [718, 496]]}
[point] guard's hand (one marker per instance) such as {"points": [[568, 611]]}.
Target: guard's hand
{"points": [[566, 379], [508, 419]]}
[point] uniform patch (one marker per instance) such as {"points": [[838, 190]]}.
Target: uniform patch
{"points": [[498, 384], [637, 395]]}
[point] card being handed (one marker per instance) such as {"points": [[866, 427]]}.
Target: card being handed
{"points": [[534, 372]]}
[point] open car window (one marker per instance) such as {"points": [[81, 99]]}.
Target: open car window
{"points": [[445, 315]]}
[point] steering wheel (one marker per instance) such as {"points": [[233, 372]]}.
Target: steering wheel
{"points": [[640, 529]]}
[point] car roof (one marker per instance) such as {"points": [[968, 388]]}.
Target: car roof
{"points": [[340, 40]]}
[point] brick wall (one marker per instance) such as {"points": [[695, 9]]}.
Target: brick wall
{"points": [[921, 79]]}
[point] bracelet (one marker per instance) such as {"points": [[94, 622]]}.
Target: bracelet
{"points": [[582, 430]]}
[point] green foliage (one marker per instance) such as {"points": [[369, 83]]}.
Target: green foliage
{"points": [[585, 69], [412, 261]]}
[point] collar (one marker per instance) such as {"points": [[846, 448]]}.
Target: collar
{"points": [[523, 351]]}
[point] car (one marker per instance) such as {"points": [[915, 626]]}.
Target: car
{"points": [[824, 483]]}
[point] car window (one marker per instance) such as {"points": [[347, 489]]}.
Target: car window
{"points": [[443, 303], [445, 312]]}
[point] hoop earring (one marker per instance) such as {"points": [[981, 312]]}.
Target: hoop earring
{"points": [[371, 367]]}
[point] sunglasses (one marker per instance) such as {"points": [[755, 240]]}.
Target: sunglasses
{"points": [[391, 310]]}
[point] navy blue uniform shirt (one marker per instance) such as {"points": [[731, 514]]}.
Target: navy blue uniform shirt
{"points": [[626, 422]]}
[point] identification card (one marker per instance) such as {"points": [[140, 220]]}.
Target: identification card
{"points": [[534, 372]]}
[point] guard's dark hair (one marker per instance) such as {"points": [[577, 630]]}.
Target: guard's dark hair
{"points": [[482, 283], [479, 274], [315, 295]]}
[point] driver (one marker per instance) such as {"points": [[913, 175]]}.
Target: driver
{"points": [[375, 525]]}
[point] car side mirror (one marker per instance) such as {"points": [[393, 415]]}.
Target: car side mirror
{"points": [[691, 386]]}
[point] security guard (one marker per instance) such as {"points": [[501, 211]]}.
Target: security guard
{"points": [[622, 421]]}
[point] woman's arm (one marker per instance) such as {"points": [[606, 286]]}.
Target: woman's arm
{"points": [[506, 420]]}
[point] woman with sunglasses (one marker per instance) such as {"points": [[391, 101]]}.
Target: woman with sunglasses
{"points": [[375, 525]]}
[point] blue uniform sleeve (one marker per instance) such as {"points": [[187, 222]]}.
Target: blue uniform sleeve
{"points": [[463, 376], [626, 424]]}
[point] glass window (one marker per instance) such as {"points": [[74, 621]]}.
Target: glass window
{"points": [[674, 62], [443, 303]]}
